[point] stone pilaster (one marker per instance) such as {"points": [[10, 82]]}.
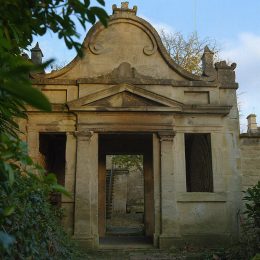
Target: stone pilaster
{"points": [[33, 143], [157, 190], [70, 169], [70, 157], [169, 227], [86, 189]]}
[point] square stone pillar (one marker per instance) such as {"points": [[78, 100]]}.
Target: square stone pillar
{"points": [[86, 189], [157, 190], [33, 143], [70, 168], [169, 214], [148, 193]]}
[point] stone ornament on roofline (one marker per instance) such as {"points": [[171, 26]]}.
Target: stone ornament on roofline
{"points": [[226, 73], [207, 64], [124, 8], [223, 65]]}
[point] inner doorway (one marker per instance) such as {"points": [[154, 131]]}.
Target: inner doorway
{"points": [[124, 195], [122, 216]]}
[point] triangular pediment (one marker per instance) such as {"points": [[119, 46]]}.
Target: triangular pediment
{"points": [[125, 97]]}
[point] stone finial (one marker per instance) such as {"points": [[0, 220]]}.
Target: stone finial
{"points": [[208, 55], [207, 62], [124, 5], [36, 54], [251, 124], [226, 73], [223, 65], [124, 8]]}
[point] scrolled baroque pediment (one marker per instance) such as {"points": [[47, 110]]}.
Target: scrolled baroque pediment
{"points": [[124, 97]]}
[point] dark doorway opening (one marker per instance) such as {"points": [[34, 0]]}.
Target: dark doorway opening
{"points": [[126, 207], [52, 148]]}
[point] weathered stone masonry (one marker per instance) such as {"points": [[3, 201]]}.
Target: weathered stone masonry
{"points": [[127, 88], [250, 153]]}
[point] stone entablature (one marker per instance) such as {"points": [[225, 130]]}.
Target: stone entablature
{"points": [[127, 85]]}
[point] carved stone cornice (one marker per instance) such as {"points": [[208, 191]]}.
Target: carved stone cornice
{"points": [[207, 109], [166, 135], [83, 135], [137, 79], [46, 81]]}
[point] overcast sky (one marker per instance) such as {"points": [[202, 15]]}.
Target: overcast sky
{"points": [[234, 24]]}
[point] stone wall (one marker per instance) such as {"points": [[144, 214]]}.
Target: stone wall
{"points": [[119, 192], [127, 201], [135, 191], [250, 154]]}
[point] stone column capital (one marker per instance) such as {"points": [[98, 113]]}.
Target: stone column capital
{"points": [[84, 135], [166, 135]]}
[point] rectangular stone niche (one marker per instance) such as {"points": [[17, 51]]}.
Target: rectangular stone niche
{"points": [[199, 175]]}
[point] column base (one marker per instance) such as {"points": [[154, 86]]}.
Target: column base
{"points": [[156, 240], [89, 242]]}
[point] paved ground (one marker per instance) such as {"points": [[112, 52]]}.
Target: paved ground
{"points": [[126, 242], [141, 248], [145, 254], [131, 255], [125, 224]]}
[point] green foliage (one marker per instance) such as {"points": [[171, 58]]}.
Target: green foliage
{"points": [[10, 107], [252, 199], [27, 219], [249, 243], [21, 20], [14, 79], [37, 17], [35, 223], [256, 257], [128, 162]]}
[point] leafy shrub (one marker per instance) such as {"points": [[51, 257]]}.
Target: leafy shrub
{"points": [[249, 243], [27, 219], [36, 223], [252, 199]]}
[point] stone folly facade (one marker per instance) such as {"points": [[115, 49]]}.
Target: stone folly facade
{"points": [[127, 96]]}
